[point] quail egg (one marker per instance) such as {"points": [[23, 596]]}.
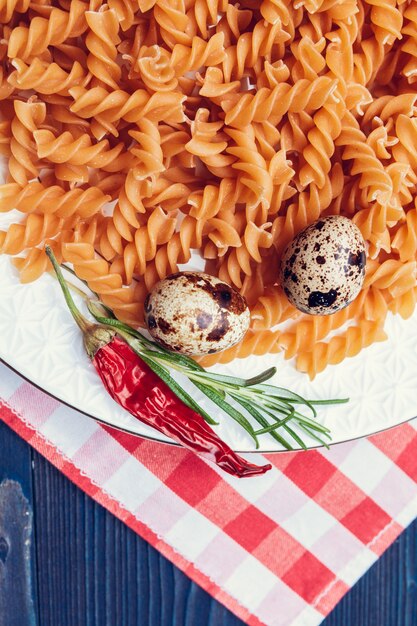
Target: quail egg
{"points": [[194, 313], [323, 268]]}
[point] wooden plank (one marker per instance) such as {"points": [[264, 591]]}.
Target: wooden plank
{"points": [[18, 598]]}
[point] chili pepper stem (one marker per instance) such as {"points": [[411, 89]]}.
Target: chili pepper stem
{"points": [[95, 336]]}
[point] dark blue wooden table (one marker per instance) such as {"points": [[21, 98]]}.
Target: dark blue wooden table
{"points": [[65, 561]]}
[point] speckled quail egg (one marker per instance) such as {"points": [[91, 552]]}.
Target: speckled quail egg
{"points": [[195, 313], [323, 268]]}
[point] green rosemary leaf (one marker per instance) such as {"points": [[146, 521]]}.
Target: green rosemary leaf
{"points": [[261, 420], [291, 432], [235, 381], [260, 378], [282, 406], [302, 421], [208, 391], [314, 436], [295, 436], [174, 359], [312, 425], [272, 427], [286, 394], [230, 410], [229, 381], [252, 410], [280, 439], [328, 402]]}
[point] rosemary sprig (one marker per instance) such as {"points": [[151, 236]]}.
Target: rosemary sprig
{"points": [[276, 410]]}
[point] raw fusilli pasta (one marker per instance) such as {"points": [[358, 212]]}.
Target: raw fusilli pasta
{"points": [[139, 131]]}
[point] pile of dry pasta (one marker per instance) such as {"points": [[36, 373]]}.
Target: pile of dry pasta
{"points": [[139, 130]]}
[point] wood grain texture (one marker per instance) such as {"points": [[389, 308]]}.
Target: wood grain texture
{"points": [[18, 593], [17, 603], [93, 571]]}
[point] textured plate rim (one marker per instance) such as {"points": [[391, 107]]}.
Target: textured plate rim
{"points": [[174, 444]]}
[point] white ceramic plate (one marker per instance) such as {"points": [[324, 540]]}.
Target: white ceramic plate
{"points": [[39, 339]]}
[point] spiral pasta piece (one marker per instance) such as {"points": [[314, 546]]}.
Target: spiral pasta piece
{"points": [[35, 263], [254, 342], [8, 7], [6, 89], [340, 347], [101, 41], [405, 240], [81, 151], [222, 232], [125, 302], [52, 200], [311, 204], [158, 231], [239, 262], [380, 142], [268, 140], [125, 11], [254, 174], [205, 13], [23, 163], [405, 304], [393, 276], [233, 22], [108, 107], [176, 251], [318, 153], [272, 104], [409, 47], [155, 68], [5, 136], [373, 176], [368, 61], [277, 10], [47, 78], [125, 218], [29, 234], [386, 109], [147, 150], [173, 21], [282, 174], [309, 331], [309, 58], [204, 141], [214, 85], [406, 132], [200, 53], [249, 48], [207, 203], [170, 196], [25, 42], [386, 20], [272, 308]]}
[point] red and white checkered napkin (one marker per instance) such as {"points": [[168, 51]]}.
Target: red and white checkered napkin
{"points": [[280, 549]]}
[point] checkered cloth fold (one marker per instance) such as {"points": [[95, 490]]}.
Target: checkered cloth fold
{"points": [[280, 549]]}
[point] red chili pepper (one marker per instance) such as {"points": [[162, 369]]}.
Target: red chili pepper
{"points": [[131, 383], [141, 392]]}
